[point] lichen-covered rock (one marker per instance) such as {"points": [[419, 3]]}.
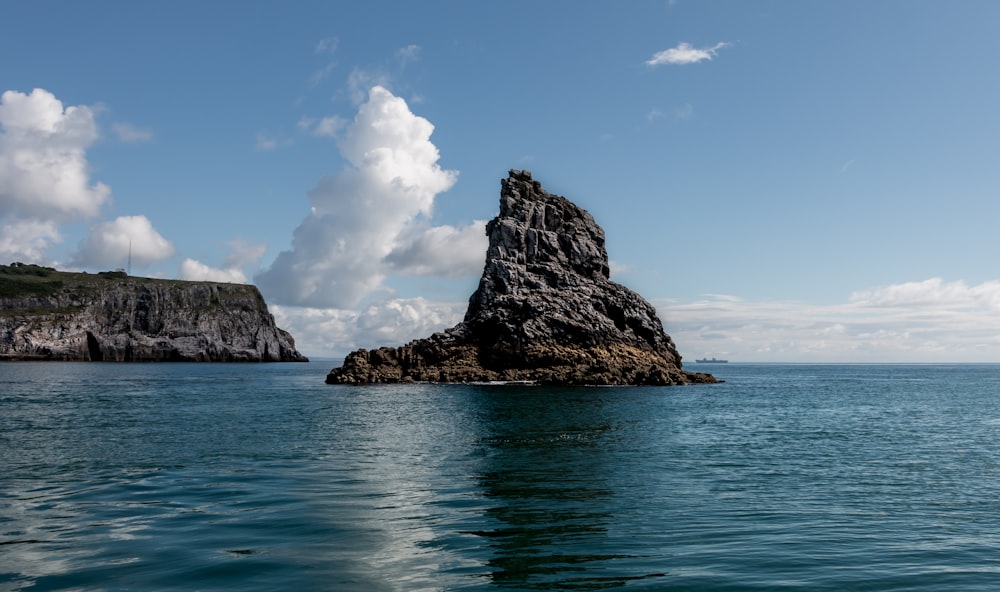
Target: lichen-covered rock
{"points": [[114, 317], [545, 311]]}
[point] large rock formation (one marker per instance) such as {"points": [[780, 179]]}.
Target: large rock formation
{"points": [[545, 311], [51, 315]]}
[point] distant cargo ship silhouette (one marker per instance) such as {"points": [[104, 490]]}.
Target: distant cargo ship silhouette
{"points": [[712, 361]]}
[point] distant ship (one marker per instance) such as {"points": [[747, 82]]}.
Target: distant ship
{"points": [[712, 361]]}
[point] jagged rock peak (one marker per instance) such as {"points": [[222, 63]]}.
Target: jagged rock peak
{"points": [[545, 311], [538, 240]]}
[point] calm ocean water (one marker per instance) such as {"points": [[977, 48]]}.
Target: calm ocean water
{"points": [[261, 477]]}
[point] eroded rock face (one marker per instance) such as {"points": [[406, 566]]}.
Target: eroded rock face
{"points": [[545, 311], [80, 318]]}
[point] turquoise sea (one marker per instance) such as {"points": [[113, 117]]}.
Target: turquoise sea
{"points": [[262, 477]]}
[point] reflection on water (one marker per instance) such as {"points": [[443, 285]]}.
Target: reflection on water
{"points": [[259, 478], [546, 469]]}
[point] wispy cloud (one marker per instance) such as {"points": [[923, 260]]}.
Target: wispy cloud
{"points": [[408, 54], [619, 268], [129, 133], [327, 46], [324, 47], [329, 126], [935, 293], [685, 111], [360, 81], [267, 142], [321, 74], [684, 53]]}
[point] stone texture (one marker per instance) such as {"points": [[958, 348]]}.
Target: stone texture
{"points": [[113, 317], [545, 311]]}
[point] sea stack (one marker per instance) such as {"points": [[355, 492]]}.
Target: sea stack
{"points": [[545, 311]]}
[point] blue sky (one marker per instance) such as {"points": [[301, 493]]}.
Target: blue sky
{"points": [[785, 181]]}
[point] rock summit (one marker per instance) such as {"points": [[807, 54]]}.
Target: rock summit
{"points": [[545, 311]]}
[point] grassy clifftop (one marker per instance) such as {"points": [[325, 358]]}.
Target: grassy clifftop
{"points": [[25, 280], [50, 314]]}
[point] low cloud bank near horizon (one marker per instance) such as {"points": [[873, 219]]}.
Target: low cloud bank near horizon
{"points": [[917, 322], [930, 321]]}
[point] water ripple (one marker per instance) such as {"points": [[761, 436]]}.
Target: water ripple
{"points": [[262, 477]]}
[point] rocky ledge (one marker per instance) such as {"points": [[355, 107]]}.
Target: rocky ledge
{"points": [[52, 315], [545, 312]]}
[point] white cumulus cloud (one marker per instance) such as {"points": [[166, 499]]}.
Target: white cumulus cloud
{"points": [[441, 251], [109, 244], [196, 271], [44, 173], [684, 53], [242, 254], [368, 211], [337, 332], [26, 240]]}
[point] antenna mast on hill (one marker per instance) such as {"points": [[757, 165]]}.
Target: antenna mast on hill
{"points": [[129, 257]]}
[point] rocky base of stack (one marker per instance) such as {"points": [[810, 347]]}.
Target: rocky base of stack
{"points": [[437, 360]]}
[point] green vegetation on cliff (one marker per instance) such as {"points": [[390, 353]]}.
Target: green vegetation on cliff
{"points": [[111, 316], [18, 280]]}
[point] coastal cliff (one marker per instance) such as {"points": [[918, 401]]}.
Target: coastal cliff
{"points": [[51, 315], [545, 311]]}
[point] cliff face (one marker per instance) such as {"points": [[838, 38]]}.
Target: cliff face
{"points": [[112, 317], [545, 311]]}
